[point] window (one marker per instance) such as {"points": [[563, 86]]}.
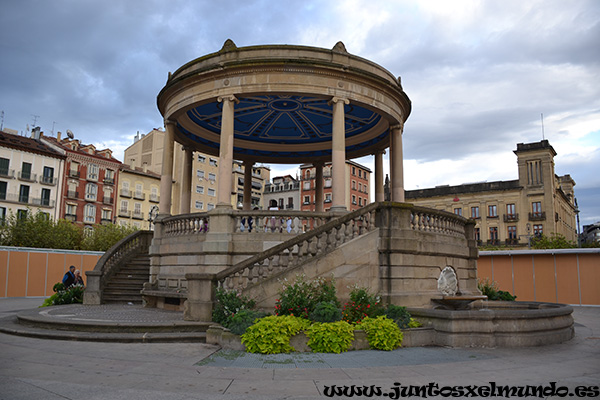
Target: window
{"points": [[492, 211], [210, 206], [359, 186], [353, 185], [91, 191], [125, 189], [200, 174], [26, 171], [201, 158], [306, 185], [45, 200], [154, 193], [211, 192], [359, 199], [475, 212], [92, 172], [3, 190], [199, 189], [137, 210], [306, 200], [353, 199], [290, 204], [360, 173], [510, 210], [477, 234], [536, 208], [24, 194], [493, 233], [212, 176], [212, 162], [48, 176], [280, 202], [139, 191], [512, 232], [124, 205], [538, 230], [106, 215], [71, 209], [89, 214], [353, 171], [327, 197], [458, 211], [199, 205], [21, 214], [328, 182], [74, 169], [4, 164]]}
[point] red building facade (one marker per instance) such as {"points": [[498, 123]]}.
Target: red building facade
{"points": [[357, 186], [90, 183]]}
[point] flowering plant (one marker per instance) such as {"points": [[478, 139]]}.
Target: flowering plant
{"points": [[362, 304], [228, 303], [302, 296]]}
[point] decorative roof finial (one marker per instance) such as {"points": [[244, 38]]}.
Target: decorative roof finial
{"points": [[228, 46], [339, 48]]}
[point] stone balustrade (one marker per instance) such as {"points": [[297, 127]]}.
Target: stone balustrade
{"points": [[429, 220], [186, 224], [296, 222]]}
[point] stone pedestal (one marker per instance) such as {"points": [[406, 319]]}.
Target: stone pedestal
{"points": [[199, 304], [92, 294]]}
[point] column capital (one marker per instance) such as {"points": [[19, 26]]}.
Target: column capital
{"points": [[230, 97], [336, 99], [170, 122], [399, 127]]}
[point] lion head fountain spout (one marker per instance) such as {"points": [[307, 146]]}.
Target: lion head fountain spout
{"points": [[452, 298]]}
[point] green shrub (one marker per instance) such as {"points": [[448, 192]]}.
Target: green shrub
{"points": [[414, 323], [326, 311], [491, 290], [399, 315], [332, 337], [238, 323], [301, 297], [103, 237], [72, 294], [271, 335], [382, 333], [362, 304], [228, 303]]}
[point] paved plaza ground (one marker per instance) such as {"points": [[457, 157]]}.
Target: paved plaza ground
{"points": [[56, 369]]}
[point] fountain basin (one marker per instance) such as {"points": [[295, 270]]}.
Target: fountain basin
{"points": [[499, 324], [458, 302]]}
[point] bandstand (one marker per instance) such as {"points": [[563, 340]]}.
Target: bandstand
{"points": [[288, 104]]}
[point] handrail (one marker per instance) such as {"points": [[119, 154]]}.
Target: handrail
{"points": [[121, 250], [329, 236], [303, 243]]}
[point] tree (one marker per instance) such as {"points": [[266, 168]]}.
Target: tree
{"points": [[555, 241], [103, 237]]}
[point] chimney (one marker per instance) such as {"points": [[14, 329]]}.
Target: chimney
{"points": [[36, 133], [58, 135], [145, 167]]}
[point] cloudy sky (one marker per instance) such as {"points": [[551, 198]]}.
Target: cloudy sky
{"points": [[479, 73]]}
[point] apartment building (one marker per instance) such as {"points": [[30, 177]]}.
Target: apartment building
{"points": [[29, 175], [89, 182], [512, 212], [285, 191], [260, 176], [138, 196], [357, 186]]}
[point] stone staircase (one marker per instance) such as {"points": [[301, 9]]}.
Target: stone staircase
{"points": [[125, 285]]}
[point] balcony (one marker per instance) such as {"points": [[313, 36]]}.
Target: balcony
{"points": [[137, 214], [511, 242], [42, 202], [124, 213], [125, 193], [106, 221], [92, 177], [48, 180], [511, 217], [73, 173], [88, 219], [72, 194], [493, 242], [71, 217], [109, 181], [154, 198], [139, 196], [7, 173], [108, 200], [27, 176], [537, 216], [91, 196]]}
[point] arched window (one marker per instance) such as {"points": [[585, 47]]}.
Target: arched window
{"points": [[89, 214]]}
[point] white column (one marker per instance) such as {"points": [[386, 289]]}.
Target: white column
{"points": [[319, 187], [396, 169], [226, 152], [247, 202], [186, 181], [166, 177], [379, 189], [338, 155]]}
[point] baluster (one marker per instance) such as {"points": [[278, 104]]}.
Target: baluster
{"points": [[250, 275], [240, 276], [271, 265], [261, 270], [319, 243], [329, 239], [357, 227]]}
